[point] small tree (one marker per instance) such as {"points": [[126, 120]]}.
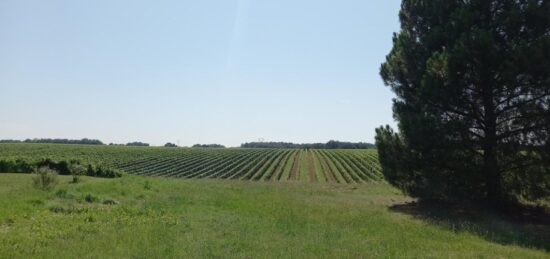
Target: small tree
{"points": [[44, 178], [170, 145], [76, 171]]}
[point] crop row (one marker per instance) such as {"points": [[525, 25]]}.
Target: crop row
{"points": [[321, 165], [341, 166]]}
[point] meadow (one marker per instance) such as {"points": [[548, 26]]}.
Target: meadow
{"points": [[154, 217], [290, 203]]}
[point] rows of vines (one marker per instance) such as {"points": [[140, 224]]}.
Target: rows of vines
{"points": [[314, 165]]}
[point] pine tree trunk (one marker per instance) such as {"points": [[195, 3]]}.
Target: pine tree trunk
{"points": [[493, 177]]}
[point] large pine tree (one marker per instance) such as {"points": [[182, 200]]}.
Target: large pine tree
{"points": [[472, 80]]}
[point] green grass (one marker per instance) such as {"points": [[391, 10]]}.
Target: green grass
{"points": [[173, 218]]}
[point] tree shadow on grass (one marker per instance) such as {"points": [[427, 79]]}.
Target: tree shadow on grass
{"points": [[526, 227]]}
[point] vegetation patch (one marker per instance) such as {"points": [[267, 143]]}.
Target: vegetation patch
{"points": [[110, 202], [256, 164], [89, 198], [189, 219]]}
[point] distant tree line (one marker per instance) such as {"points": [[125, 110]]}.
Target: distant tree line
{"points": [[137, 144], [209, 145], [333, 144], [170, 145], [83, 141]]}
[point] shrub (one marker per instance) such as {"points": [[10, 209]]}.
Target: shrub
{"points": [[6, 166], [15, 166], [90, 198], [62, 167], [63, 194], [76, 171], [44, 178], [73, 167], [98, 171], [22, 166]]}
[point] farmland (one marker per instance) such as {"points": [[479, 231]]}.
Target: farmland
{"points": [[310, 165]]}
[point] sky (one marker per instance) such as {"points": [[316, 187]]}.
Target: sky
{"points": [[187, 72]]}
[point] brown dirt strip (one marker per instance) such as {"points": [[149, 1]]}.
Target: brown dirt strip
{"points": [[328, 171], [311, 167], [294, 171]]}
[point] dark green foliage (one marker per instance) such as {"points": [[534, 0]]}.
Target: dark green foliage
{"points": [[209, 146], [83, 141], [67, 210], [170, 145], [15, 166], [98, 171], [61, 167], [90, 198], [137, 144], [63, 194], [472, 80], [422, 174], [391, 153], [333, 144]]}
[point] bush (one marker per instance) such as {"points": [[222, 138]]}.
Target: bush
{"points": [[63, 194], [90, 198], [98, 171], [6, 166], [45, 178], [62, 167], [15, 166], [76, 171]]}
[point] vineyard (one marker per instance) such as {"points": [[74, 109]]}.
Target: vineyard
{"points": [[314, 165]]}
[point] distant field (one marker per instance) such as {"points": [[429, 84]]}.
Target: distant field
{"points": [[339, 166]]}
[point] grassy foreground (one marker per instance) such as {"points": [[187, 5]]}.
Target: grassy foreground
{"points": [[145, 217]]}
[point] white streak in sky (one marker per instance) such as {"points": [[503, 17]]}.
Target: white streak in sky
{"points": [[238, 31]]}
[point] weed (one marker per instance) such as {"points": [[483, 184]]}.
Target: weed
{"points": [[90, 198], [44, 178], [147, 185], [110, 202]]}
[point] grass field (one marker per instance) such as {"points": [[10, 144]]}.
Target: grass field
{"points": [[154, 217]]}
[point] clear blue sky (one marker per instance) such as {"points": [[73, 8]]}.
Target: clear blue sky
{"points": [[209, 71]]}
